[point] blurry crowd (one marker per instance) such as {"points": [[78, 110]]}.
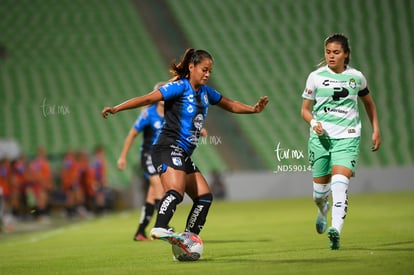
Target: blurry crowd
{"points": [[30, 188]]}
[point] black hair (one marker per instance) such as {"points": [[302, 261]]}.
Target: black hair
{"points": [[191, 56], [341, 39]]}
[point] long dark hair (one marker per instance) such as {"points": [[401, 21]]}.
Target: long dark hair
{"points": [[341, 39], [191, 56]]}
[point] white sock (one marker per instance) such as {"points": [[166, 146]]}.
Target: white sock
{"points": [[339, 189], [320, 195]]}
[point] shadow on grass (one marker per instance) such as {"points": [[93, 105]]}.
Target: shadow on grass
{"points": [[275, 261], [238, 241], [395, 246]]}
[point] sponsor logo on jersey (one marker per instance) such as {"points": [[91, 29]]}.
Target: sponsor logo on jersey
{"points": [[198, 121], [328, 82], [177, 153], [334, 110], [339, 92], [205, 99], [190, 98]]}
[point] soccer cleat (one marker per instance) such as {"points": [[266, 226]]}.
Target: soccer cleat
{"points": [[140, 237], [334, 237], [159, 233], [321, 220], [168, 235]]}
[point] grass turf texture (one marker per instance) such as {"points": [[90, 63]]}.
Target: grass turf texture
{"points": [[260, 237]]}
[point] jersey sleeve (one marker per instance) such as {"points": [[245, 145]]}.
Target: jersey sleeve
{"points": [[172, 89], [363, 89], [142, 121], [214, 97], [309, 92]]}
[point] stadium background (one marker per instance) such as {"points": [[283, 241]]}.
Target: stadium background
{"points": [[62, 61]]}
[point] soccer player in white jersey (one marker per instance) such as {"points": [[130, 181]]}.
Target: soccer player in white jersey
{"points": [[330, 106]]}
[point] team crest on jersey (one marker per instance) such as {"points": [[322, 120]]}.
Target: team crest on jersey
{"points": [[157, 125], [177, 161], [352, 83]]}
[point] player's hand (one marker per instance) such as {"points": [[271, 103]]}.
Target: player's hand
{"points": [[376, 141], [318, 129], [106, 110], [203, 132], [261, 104], [121, 164]]}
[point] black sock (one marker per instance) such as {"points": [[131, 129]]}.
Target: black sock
{"points": [[157, 203], [146, 215], [198, 214], [167, 207]]}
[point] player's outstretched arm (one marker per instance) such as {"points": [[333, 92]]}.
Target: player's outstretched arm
{"points": [[136, 102], [241, 108]]}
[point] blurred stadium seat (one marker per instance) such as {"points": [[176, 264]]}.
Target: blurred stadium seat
{"points": [[67, 59]]}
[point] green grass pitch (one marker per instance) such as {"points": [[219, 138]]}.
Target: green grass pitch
{"points": [[249, 237]]}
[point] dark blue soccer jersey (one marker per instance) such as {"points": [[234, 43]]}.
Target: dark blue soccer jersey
{"points": [[149, 122], [185, 113]]}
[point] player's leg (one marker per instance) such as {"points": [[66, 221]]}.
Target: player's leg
{"points": [[147, 212], [344, 160], [173, 181], [154, 195], [199, 191], [169, 162], [319, 158], [321, 191], [339, 188]]}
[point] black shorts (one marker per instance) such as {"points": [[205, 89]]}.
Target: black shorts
{"points": [[172, 156], [146, 165]]}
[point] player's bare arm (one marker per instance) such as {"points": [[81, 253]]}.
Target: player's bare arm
{"points": [[306, 112], [241, 108], [371, 110], [136, 102]]}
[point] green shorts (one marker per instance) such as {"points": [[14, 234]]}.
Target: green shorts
{"points": [[324, 153]]}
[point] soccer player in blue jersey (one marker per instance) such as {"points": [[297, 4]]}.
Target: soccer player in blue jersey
{"points": [[149, 123], [330, 106], [186, 98]]}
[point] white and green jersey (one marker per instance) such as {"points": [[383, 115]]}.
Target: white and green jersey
{"points": [[336, 100]]}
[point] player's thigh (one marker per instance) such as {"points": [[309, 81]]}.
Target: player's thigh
{"points": [[319, 158], [196, 185], [344, 156], [173, 179]]}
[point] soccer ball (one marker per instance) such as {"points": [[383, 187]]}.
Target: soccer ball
{"points": [[193, 244]]}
